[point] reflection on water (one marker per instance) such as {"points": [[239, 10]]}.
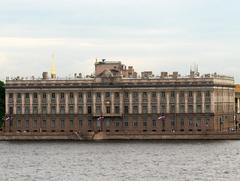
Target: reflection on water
{"points": [[120, 160]]}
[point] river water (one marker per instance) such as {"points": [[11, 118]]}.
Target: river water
{"points": [[127, 160]]}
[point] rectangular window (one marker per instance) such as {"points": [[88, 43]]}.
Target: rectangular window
{"points": [[154, 94], [44, 124], [108, 109], [117, 109], [135, 109], [154, 123], [89, 123], [116, 94], [71, 95], [35, 95], [98, 95], [19, 124], [71, 109], [44, 95], [98, 109], [27, 124], [35, 109], [126, 109], [10, 95], [35, 123], [71, 124], [19, 96], [62, 124], [53, 96], [126, 124], [53, 124], [80, 110], [62, 109], [27, 95], [89, 95], [80, 123], [182, 122], [145, 124], [89, 109], [62, 95], [172, 94], [80, 95], [144, 109], [53, 109], [27, 110], [19, 110], [162, 94]]}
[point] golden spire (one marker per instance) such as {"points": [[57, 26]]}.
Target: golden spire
{"points": [[53, 67]]}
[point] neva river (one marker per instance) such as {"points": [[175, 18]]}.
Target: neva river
{"points": [[148, 160]]}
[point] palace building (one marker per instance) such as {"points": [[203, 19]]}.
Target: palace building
{"points": [[115, 99]]}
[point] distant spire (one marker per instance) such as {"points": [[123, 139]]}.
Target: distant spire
{"points": [[53, 67]]}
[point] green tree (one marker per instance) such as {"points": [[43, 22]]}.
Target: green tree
{"points": [[2, 102]]}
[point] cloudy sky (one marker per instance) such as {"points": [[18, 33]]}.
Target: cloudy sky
{"points": [[158, 35]]}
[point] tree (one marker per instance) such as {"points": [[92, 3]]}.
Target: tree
{"points": [[2, 102]]}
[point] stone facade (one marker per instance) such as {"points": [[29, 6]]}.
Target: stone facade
{"points": [[112, 103]]}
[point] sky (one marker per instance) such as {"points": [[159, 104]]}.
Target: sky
{"points": [[155, 35]]}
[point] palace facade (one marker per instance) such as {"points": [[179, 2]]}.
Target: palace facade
{"points": [[115, 99]]}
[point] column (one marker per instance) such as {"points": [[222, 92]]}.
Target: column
{"points": [[149, 103], [186, 101], [57, 102], [6, 103], [14, 103], [94, 103], [203, 102], [194, 102], [23, 103], [103, 102], [39, 104], [158, 103], [49, 103], [121, 103], [31, 103], [112, 103], [140, 103], [85, 103], [177, 102], [130, 103], [66, 103], [212, 102], [167, 102]]}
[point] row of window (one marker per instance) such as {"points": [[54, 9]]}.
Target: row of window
{"points": [[107, 94], [163, 109], [62, 123]]}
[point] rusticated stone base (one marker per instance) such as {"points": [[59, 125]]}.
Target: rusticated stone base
{"points": [[108, 136]]}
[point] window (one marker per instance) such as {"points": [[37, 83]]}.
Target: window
{"points": [[207, 108], [19, 96], [190, 108], [62, 124], [126, 109], [80, 110], [125, 95], [117, 123], [62, 95], [154, 123], [35, 96], [182, 122], [135, 109], [172, 94], [89, 109], [190, 122], [182, 108], [144, 109], [80, 123], [35, 123], [71, 95], [53, 109], [53, 124], [27, 124], [53, 96], [71, 109], [162, 94], [199, 108], [135, 95], [108, 110], [89, 123], [10, 95], [181, 94], [19, 122], [19, 111], [98, 95], [117, 110], [98, 109], [44, 95], [71, 124], [145, 124], [27, 95], [190, 94], [44, 125], [154, 94], [89, 95], [44, 110], [207, 94], [62, 109], [173, 122], [27, 110], [126, 124], [135, 123], [116, 94], [172, 108], [80, 95], [107, 94], [144, 95], [154, 109]]}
